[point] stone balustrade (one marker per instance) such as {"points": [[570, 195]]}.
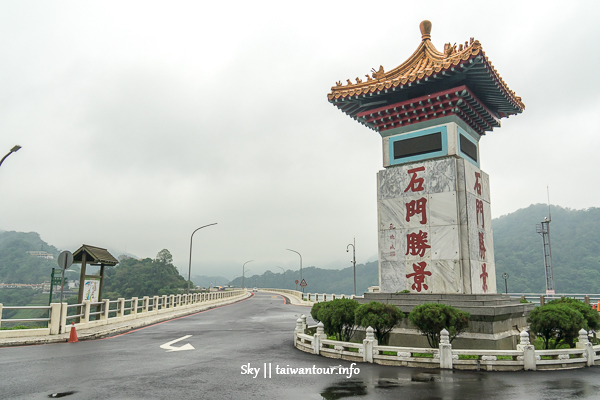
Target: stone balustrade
{"points": [[525, 357]]}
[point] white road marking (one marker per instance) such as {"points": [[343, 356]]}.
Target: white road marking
{"points": [[168, 347]]}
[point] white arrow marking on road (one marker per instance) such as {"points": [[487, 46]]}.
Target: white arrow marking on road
{"points": [[168, 347]]}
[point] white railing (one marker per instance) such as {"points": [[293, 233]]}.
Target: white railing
{"points": [[311, 297], [109, 311], [525, 357], [538, 298]]}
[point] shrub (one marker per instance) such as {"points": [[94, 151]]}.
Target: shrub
{"points": [[431, 318], [591, 318], [555, 323], [314, 311], [337, 317], [379, 316]]}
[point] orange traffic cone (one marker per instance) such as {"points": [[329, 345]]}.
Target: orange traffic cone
{"points": [[73, 336]]}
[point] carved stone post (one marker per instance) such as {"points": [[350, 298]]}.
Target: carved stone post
{"points": [[368, 345], [320, 335], [445, 350], [528, 352]]}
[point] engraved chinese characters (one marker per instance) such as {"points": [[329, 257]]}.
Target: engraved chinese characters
{"points": [[418, 225], [435, 228], [481, 246]]}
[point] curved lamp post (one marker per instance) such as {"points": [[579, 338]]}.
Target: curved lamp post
{"points": [[353, 261], [13, 150], [283, 287], [190, 266], [300, 265], [244, 274]]}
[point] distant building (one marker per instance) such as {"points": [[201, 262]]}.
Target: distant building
{"points": [[21, 285], [41, 254]]}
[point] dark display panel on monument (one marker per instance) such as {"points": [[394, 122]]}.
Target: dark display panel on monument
{"points": [[418, 145], [468, 147]]}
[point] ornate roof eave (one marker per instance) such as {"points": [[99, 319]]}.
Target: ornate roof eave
{"points": [[426, 64]]}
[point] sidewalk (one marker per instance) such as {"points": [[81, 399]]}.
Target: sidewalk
{"points": [[118, 327]]}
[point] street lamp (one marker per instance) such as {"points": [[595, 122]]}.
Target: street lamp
{"points": [[300, 267], [283, 287], [353, 261], [505, 276], [244, 274], [13, 150], [190, 266]]}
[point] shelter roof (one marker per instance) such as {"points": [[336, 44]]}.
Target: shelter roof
{"points": [[428, 71], [94, 255]]}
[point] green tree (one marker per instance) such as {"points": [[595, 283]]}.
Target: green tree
{"points": [[379, 316], [431, 318], [556, 324], [591, 318], [337, 317], [146, 277], [164, 256]]}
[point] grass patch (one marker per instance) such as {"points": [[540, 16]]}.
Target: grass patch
{"points": [[21, 327], [423, 355]]}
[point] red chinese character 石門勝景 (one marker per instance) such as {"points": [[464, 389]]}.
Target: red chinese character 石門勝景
{"points": [[481, 246], [477, 187], [415, 184], [484, 276], [416, 243], [419, 275], [417, 207], [479, 210]]}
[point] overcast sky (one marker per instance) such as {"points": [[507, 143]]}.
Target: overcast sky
{"points": [[141, 121]]}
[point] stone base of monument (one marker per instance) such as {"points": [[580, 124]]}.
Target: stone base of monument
{"points": [[496, 319]]}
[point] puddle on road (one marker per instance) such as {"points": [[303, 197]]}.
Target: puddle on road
{"points": [[61, 394], [343, 390]]}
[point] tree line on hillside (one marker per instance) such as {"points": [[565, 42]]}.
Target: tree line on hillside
{"points": [[319, 280], [575, 239]]}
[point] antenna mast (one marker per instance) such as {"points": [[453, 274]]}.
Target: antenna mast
{"points": [[544, 230]]}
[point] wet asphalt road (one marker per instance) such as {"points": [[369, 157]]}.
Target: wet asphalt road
{"points": [[255, 331]]}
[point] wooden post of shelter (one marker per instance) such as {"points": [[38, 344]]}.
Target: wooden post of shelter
{"points": [[96, 256]]}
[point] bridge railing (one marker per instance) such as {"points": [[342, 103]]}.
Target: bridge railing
{"points": [[310, 298], [108, 311], [541, 298]]}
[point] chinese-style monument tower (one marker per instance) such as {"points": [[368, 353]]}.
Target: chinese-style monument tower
{"points": [[434, 219]]}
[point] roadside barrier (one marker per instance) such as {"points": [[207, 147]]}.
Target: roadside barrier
{"points": [[110, 311], [525, 357]]}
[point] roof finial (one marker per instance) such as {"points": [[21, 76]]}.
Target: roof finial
{"points": [[425, 27]]}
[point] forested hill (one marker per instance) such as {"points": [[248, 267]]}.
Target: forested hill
{"points": [[575, 240], [16, 265]]}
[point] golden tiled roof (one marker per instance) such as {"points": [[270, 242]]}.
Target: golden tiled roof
{"points": [[427, 64]]}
